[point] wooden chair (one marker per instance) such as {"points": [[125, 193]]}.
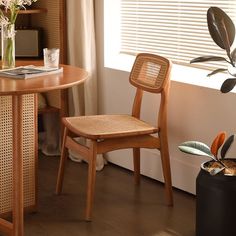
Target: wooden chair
{"points": [[106, 133]]}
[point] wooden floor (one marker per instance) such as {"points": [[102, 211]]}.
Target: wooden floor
{"points": [[120, 207]]}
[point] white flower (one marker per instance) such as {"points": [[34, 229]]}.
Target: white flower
{"points": [[4, 20], [24, 2], [6, 3], [10, 34], [13, 6]]}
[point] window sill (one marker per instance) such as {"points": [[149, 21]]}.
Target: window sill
{"points": [[181, 74]]}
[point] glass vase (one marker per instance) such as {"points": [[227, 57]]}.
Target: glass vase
{"points": [[8, 46]]}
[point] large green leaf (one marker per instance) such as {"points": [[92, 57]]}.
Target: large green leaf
{"points": [[221, 28], [226, 146], [228, 85], [196, 148], [207, 58]]}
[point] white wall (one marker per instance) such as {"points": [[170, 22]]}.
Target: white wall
{"points": [[195, 113]]}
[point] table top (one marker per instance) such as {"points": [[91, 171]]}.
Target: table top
{"points": [[71, 76]]}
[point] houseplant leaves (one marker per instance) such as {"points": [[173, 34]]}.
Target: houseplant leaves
{"points": [[207, 58], [228, 85], [216, 71], [221, 28], [222, 31], [217, 143], [226, 146], [233, 54], [201, 149], [196, 148]]}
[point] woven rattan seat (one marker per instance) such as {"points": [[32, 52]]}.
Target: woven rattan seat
{"points": [[108, 126], [150, 73]]}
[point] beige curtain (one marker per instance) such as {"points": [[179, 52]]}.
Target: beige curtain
{"points": [[82, 53]]}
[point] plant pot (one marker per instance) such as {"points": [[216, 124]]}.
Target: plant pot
{"points": [[216, 204]]}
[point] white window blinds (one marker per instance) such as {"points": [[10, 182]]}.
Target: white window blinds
{"points": [[171, 28]]}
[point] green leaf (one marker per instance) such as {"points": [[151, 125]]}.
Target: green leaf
{"points": [[221, 28], [226, 146], [216, 71], [228, 85], [207, 58], [196, 148]]}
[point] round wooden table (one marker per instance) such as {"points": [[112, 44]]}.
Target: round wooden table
{"points": [[17, 89]]}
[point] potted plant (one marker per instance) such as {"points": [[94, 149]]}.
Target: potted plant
{"points": [[222, 31], [216, 181], [215, 187], [217, 164]]}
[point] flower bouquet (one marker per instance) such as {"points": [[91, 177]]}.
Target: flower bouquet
{"points": [[9, 10]]}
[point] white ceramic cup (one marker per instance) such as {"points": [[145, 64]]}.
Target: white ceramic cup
{"points": [[51, 57]]}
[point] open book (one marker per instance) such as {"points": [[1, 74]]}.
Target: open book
{"points": [[25, 72]]}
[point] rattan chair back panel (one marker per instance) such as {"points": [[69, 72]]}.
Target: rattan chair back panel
{"points": [[150, 72], [6, 152]]}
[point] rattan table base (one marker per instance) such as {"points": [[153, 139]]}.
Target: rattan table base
{"points": [[29, 127]]}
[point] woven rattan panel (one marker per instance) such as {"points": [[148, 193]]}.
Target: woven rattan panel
{"points": [[49, 22], [149, 72], [6, 152]]}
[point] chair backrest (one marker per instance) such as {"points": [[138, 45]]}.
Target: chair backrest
{"points": [[150, 72]]}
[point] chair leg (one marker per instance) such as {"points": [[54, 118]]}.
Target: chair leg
{"points": [[136, 161], [166, 169], [64, 154], [91, 180]]}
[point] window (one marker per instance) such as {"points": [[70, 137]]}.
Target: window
{"points": [[172, 28], [184, 36]]}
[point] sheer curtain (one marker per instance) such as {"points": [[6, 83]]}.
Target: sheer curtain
{"points": [[82, 53]]}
